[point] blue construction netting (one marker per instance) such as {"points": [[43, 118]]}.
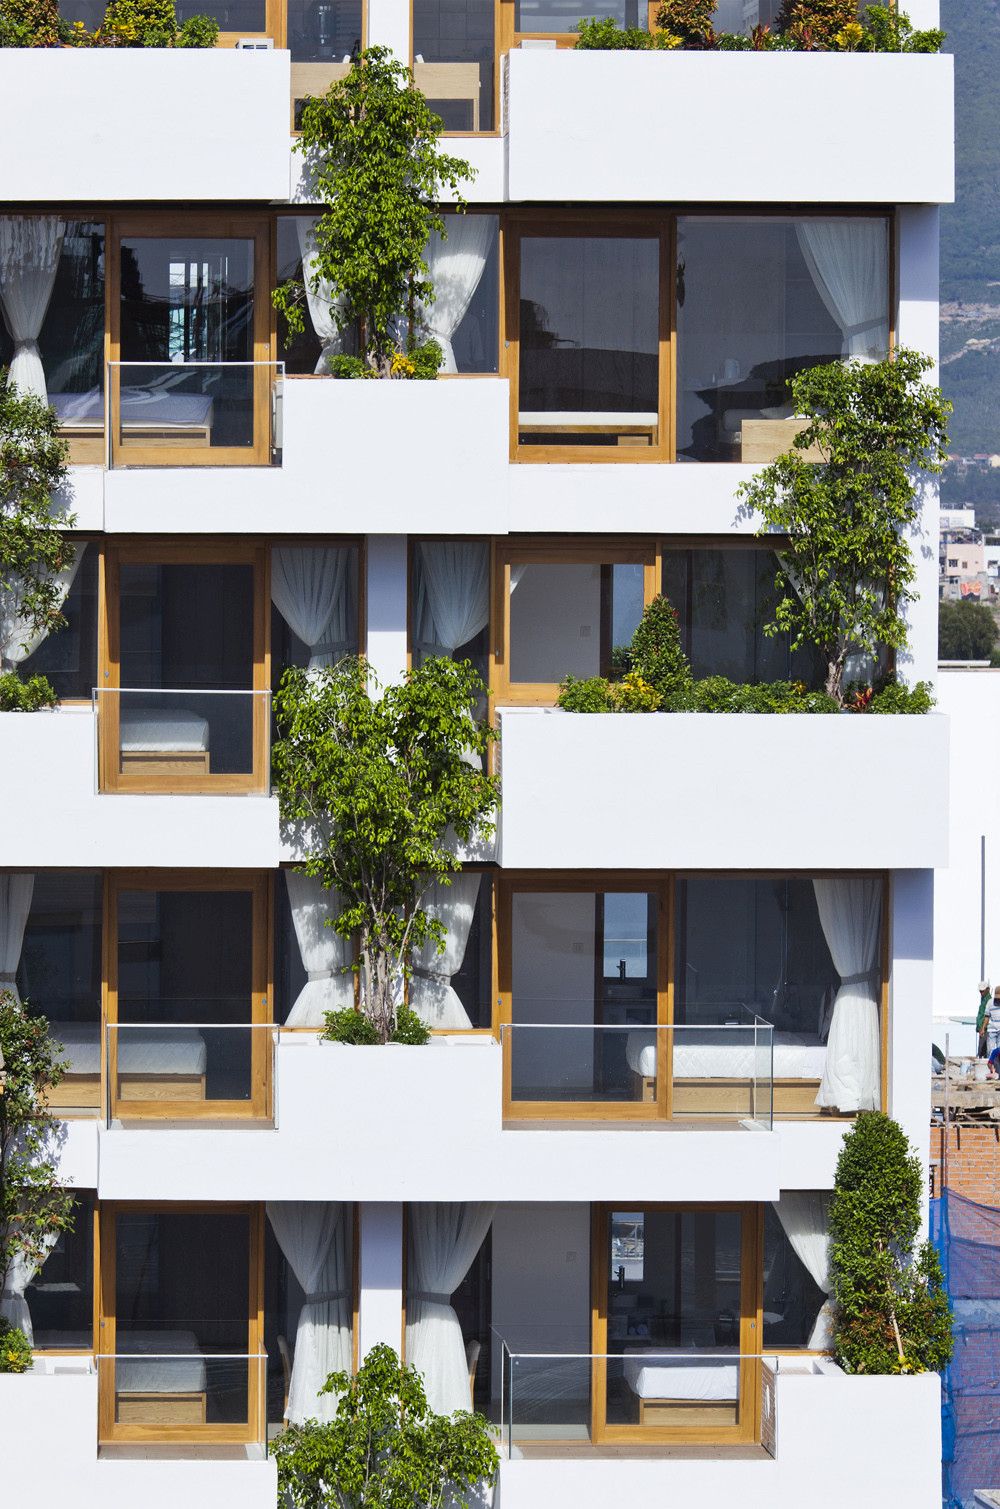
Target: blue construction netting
{"points": [[967, 1237]]}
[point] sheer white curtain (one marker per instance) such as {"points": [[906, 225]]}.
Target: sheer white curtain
{"points": [[13, 1305], [30, 247], [804, 1215], [321, 301], [315, 1238], [310, 589], [444, 1240], [455, 267], [849, 263], [850, 912], [455, 598], [18, 639], [15, 904], [432, 995], [326, 956]]}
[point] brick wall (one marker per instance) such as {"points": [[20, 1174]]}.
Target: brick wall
{"points": [[973, 1162]]}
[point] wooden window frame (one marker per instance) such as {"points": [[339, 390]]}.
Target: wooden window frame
{"points": [[498, 49], [509, 37], [664, 885], [254, 228], [508, 551], [111, 777], [747, 1428], [106, 1300], [259, 885], [603, 222]]}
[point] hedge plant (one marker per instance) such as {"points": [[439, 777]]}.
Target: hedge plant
{"points": [[802, 26]]}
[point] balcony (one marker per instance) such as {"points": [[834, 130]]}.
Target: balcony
{"points": [[77, 826], [727, 792], [214, 125], [700, 127], [186, 414]]}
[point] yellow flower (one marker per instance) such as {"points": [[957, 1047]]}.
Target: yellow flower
{"points": [[849, 36]]}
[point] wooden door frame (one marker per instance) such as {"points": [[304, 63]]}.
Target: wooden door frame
{"points": [[111, 776], [661, 887], [105, 1288], [607, 551], [260, 886], [244, 227], [747, 1428]]}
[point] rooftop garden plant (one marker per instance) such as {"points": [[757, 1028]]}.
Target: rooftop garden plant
{"points": [[379, 787], [384, 1448], [848, 570], [32, 550], [891, 1310], [34, 1207], [126, 23], [373, 161], [966, 631], [801, 26]]}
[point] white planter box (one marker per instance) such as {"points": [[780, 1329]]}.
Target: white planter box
{"points": [[747, 127], [723, 791], [157, 123]]}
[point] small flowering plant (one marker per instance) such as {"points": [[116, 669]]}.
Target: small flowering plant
{"points": [[15, 1349]]}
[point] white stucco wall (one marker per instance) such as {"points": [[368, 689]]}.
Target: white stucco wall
{"points": [[697, 127], [147, 123]]}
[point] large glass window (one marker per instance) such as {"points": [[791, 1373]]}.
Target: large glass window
{"points": [[450, 601], [314, 605], [795, 1257], [759, 299], [448, 1302], [180, 1310], [60, 1297], [190, 979], [68, 658], [723, 598], [323, 37], [562, 18], [589, 340], [305, 1335], [454, 52], [59, 976]]}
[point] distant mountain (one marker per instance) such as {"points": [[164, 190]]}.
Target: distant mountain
{"points": [[970, 231]]}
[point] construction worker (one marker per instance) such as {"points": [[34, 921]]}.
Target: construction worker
{"points": [[981, 1017]]}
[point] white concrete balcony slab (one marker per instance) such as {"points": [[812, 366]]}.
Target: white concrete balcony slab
{"points": [[385, 457], [55, 816], [199, 125], [712, 127], [443, 1104], [722, 791]]}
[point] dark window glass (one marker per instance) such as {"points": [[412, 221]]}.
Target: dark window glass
{"points": [[244, 17], [59, 974], [560, 16], [792, 1299], [61, 1295], [454, 50], [69, 656]]}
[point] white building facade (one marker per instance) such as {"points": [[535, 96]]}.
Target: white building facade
{"points": [[593, 1206]]}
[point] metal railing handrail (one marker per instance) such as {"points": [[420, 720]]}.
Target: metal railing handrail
{"points": [[185, 1356], [183, 691], [758, 1025], [198, 1026], [175, 365]]}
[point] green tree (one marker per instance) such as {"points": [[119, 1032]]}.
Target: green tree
{"points": [[892, 1312], [847, 517], [32, 550], [384, 1449], [966, 631], [377, 789], [34, 1207], [373, 161]]}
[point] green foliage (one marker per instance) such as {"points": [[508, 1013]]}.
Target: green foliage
{"points": [[198, 31], [815, 24], [605, 35], [690, 20], [17, 696], [32, 1203], [892, 1312], [358, 1030], [894, 698], [847, 517], [632, 694], [138, 23], [384, 1449], [373, 160], [803, 26], [32, 551], [419, 363], [657, 654], [966, 631], [890, 30], [377, 789], [29, 23], [717, 694], [15, 1349]]}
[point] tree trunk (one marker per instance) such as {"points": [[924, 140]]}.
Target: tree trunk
{"points": [[835, 677]]}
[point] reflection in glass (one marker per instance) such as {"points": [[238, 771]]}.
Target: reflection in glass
{"points": [[589, 331], [323, 37], [60, 1297], [673, 1308], [454, 51], [570, 618], [244, 17], [759, 299], [68, 657], [188, 628], [59, 976], [583, 959], [187, 300]]}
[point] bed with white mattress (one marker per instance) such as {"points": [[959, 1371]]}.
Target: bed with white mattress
{"points": [[154, 1063], [157, 412], [165, 1381], [157, 739], [681, 1389], [719, 1068]]}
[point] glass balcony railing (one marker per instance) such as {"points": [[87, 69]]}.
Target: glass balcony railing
{"points": [[637, 1395], [189, 1070], [158, 1383], [194, 413], [159, 739], [721, 1070]]}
